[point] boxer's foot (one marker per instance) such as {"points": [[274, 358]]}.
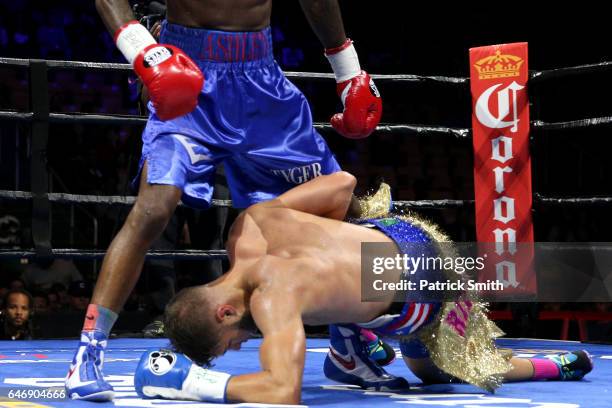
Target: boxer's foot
{"points": [[85, 379], [379, 351], [348, 361], [573, 365]]}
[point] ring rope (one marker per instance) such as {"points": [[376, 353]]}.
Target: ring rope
{"points": [[129, 200], [409, 204], [195, 255], [89, 254], [533, 75], [82, 65], [17, 116], [96, 119], [538, 76], [579, 201], [87, 198], [115, 119], [459, 133], [572, 124]]}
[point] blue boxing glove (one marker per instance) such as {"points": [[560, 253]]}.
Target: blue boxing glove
{"points": [[164, 374]]}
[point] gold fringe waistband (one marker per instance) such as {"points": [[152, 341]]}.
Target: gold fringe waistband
{"points": [[460, 340]]}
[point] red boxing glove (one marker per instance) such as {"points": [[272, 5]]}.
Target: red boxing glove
{"points": [[173, 80], [360, 97], [362, 107]]}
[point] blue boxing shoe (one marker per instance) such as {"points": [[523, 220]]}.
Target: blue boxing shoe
{"points": [[573, 365], [348, 361], [162, 373], [85, 379]]}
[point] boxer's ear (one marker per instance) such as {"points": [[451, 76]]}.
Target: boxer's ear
{"points": [[225, 311]]}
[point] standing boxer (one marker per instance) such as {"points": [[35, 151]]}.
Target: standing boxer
{"points": [[217, 95]]}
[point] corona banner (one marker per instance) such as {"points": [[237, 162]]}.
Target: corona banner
{"points": [[502, 165]]}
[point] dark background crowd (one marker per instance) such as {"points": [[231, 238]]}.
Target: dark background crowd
{"points": [[391, 37]]}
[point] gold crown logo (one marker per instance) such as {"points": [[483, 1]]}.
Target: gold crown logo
{"points": [[499, 66]]}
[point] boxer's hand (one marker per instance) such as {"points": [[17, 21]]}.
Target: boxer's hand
{"points": [[156, 30], [362, 107], [172, 79], [165, 374], [360, 97]]}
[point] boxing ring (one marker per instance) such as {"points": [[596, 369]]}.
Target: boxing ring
{"points": [[32, 365]]}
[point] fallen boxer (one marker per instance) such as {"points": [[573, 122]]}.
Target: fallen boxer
{"points": [[295, 262]]}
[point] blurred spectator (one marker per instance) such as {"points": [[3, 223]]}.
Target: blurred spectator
{"points": [[62, 295], [292, 57], [4, 35], [10, 232], [52, 40], [3, 292], [53, 301], [40, 302], [80, 293], [43, 273], [15, 319], [10, 238], [17, 283], [134, 302]]}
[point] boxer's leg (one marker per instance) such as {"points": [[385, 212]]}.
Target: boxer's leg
{"points": [[120, 272], [566, 366], [173, 167], [122, 264]]}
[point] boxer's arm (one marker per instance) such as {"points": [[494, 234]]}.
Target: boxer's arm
{"points": [[360, 98], [327, 196], [326, 21], [172, 79], [114, 13], [281, 353]]}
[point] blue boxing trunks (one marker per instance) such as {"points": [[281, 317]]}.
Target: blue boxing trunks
{"points": [[249, 117], [403, 319]]}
